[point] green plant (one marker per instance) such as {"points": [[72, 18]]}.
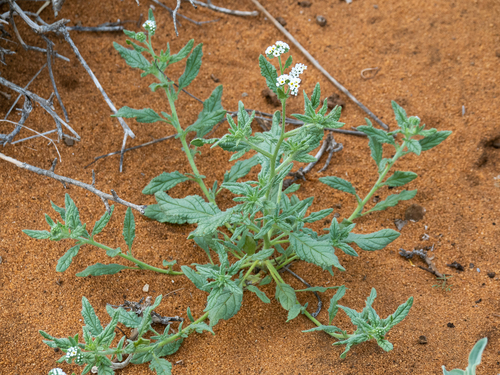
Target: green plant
{"points": [[474, 360], [266, 229], [444, 283]]}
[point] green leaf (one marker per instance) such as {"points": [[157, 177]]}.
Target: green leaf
{"points": [[268, 71], [37, 234], [129, 228], [316, 96], [321, 289], [61, 211], [146, 115], [433, 140], [346, 248], [315, 216], [286, 295], [327, 329], [394, 199], [193, 65], [161, 366], [65, 261], [209, 225], [90, 318], [400, 178], [240, 169], [153, 211], [373, 241], [226, 305], [199, 142], [211, 114], [103, 221], [259, 293], [398, 316], [476, 354], [400, 114], [182, 54], [198, 280], [105, 369], [288, 62], [164, 182], [320, 253], [377, 134], [133, 58], [414, 146], [72, 214], [100, 269], [127, 318], [333, 309], [454, 372], [291, 189], [113, 252], [339, 184], [108, 334], [294, 312], [385, 344], [376, 150], [189, 314], [190, 209]]}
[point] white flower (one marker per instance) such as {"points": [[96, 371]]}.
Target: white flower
{"points": [[297, 70], [72, 352], [150, 26], [294, 84], [284, 45], [270, 50], [56, 371], [282, 79], [277, 50]]}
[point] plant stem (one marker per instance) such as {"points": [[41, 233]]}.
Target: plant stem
{"points": [[288, 261], [254, 264], [129, 257], [357, 212], [274, 273], [318, 323]]}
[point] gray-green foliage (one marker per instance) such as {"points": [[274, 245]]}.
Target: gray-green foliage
{"points": [[267, 228], [474, 360]]}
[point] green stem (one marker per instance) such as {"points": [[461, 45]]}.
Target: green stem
{"points": [[318, 323], [130, 258], [274, 273], [254, 264], [288, 261], [358, 211]]}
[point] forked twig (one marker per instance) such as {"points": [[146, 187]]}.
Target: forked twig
{"points": [[318, 66], [209, 5]]}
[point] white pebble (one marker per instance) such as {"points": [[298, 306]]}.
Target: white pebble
{"points": [[145, 289]]}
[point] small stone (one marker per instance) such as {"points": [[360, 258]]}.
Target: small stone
{"points": [[68, 141], [376, 198], [479, 300], [214, 78], [471, 265], [456, 265], [304, 4], [1, 260], [491, 275], [451, 325], [271, 97], [375, 6], [244, 95], [281, 21], [145, 289], [496, 142], [320, 20], [422, 340], [414, 213], [334, 100], [400, 223], [336, 215], [95, 369]]}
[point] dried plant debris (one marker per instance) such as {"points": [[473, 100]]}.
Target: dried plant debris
{"points": [[431, 267], [415, 213], [320, 20], [457, 266], [400, 223], [335, 100]]}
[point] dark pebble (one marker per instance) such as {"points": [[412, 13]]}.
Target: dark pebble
{"points": [[281, 20], [422, 340], [320, 20], [214, 78], [496, 142], [451, 325], [304, 4], [491, 275], [68, 141]]}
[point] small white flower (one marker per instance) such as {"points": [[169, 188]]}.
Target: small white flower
{"points": [[56, 371], [150, 26], [270, 50], [72, 352], [282, 79], [297, 70], [283, 44], [294, 84]]}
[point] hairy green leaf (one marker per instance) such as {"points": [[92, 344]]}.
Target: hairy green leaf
{"points": [[198, 280], [100, 269], [146, 115], [400, 114], [373, 241], [320, 253], [400, 178], [129, 228], [153, 211], [394, 199], [193, 65], [161, 366], [433, 140], [183, 53], [164, 182], [90, 318], [259, 293], [65, 261], [211, 114], [339, 184], [286, 295], [268, 71], [240, 169], [127, 318], [377, 134], [190, 209], [133, 58], [37, 234], [226, 305], [103, 221], [333, 309]]}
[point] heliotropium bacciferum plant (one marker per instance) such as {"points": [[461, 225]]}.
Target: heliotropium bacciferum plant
{"points": [[267, 229]]}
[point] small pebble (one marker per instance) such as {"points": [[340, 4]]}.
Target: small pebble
{"points": [[415, 213], [451, 325], [496, 142], [244, 95], [281, 21], [478, 270], [375, 6], [479, 300], [471, 265], [376, 198], [145, 289], [68, 141], [422, 340], [400, 223], [320, 20], [304, 4], [214, 78], [491, 275]]}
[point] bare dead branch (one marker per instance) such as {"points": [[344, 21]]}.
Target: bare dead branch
{"points": [[198, 23], [67, 180], [240, 13], [98, 29]]}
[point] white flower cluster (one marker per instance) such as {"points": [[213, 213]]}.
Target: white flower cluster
{"points": [[73, 352], [292, 79], [56, 371], [150, 26], [277, 49]]}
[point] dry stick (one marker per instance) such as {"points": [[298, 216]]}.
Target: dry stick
{"points": [[27, 108], [317, 65], [25, 87], [130, 149], [174, 14], [199, 23], [241, 13], [33, 136], [105, 197], [50, 52], [95, 29], [44, 103]]}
